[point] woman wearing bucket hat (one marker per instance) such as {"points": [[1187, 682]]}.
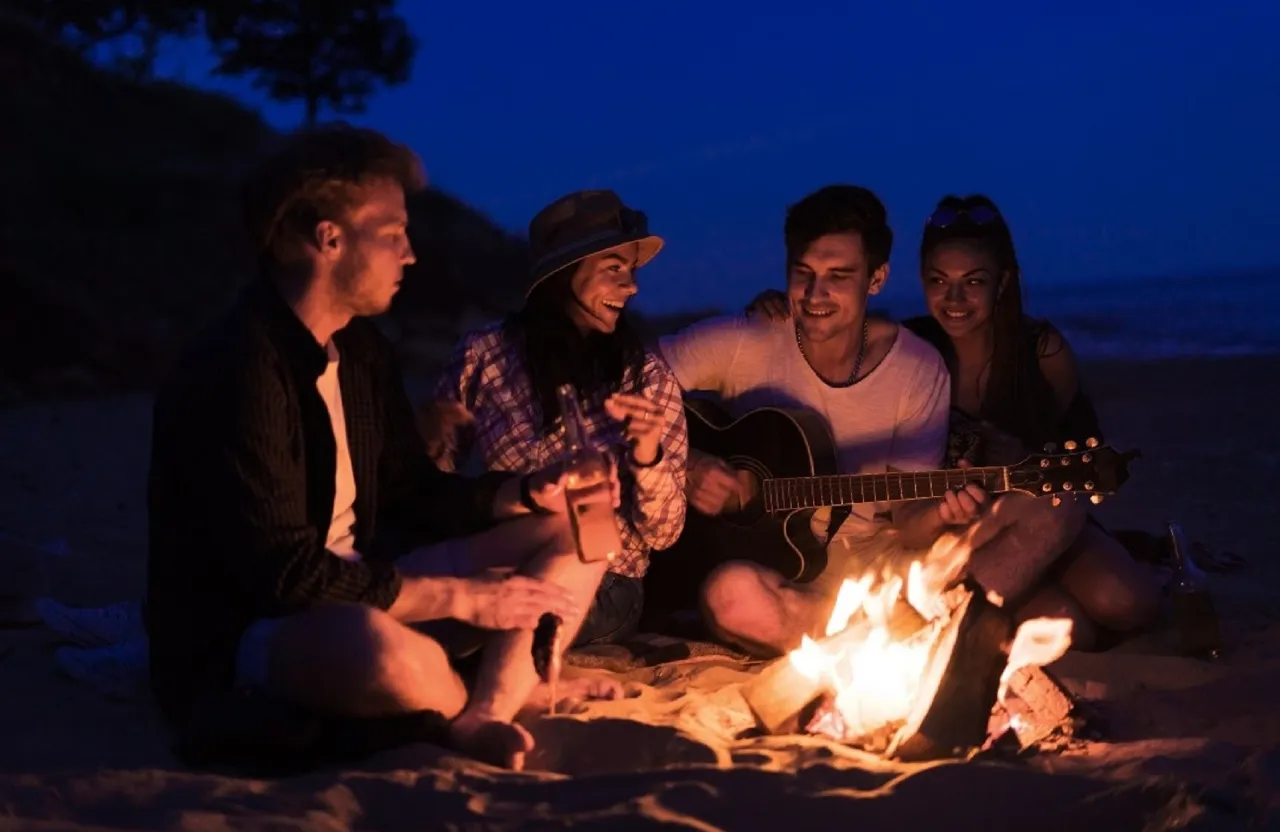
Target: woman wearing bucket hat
{"points": [[497, 393]]}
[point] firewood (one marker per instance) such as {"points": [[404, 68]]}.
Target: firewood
{"points": [[959, 686], [782, 698], [1037, 705]]}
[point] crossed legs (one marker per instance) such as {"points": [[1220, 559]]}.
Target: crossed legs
{"points": [[360, 661], [1008, 550]]}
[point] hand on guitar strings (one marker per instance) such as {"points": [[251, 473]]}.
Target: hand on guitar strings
{"points": [[715, 487], [643, 424], [963, 505]]}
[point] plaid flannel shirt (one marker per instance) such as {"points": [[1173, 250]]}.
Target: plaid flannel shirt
{"points": [[486, 374]]}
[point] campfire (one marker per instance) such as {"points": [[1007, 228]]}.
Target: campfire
{"points": [[917, 668]]}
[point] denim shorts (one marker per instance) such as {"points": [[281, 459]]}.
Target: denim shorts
{"points": [[615, 611]]}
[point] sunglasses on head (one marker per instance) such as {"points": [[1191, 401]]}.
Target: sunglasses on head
{"points": [[977, 214]]}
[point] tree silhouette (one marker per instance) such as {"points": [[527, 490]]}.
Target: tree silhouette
{"points": [[86, 25], [321, 52]]}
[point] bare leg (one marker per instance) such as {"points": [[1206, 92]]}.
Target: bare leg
{"points": [[507, 676], [1111, 587], [1052, 602], [358, 661], [754, 608], [1018, 539]]}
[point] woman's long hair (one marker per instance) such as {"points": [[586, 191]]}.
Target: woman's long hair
{"points": [[1017, 399], [556, 352]]}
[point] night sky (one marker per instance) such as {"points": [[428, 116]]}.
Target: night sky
{"points": [[1121, 139]]}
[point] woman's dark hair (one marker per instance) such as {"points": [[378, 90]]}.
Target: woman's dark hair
{"points": [[556, 352], [1017, 399]]}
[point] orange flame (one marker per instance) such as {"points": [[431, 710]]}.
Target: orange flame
{"points": [[876, 678]]}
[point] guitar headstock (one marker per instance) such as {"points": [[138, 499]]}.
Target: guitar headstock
{"points": [[1094, 471]]}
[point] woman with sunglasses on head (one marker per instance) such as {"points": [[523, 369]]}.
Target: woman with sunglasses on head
{"points": [[1015, 386]]}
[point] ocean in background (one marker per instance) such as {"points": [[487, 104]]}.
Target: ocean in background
{"points": [[1152, 318]]}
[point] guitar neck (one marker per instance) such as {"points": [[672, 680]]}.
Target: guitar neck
{"points": [[789, 493]]}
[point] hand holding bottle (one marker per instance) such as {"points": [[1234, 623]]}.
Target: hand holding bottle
{"points": [[591, 488]]}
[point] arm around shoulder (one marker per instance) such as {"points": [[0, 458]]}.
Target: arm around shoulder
{"points": [[702, 354]]}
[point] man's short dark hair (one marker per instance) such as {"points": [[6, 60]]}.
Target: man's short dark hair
{"points": [[840, 209], [317, 174]]}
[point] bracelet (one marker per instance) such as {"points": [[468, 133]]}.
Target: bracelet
{"points": [[631, 457], [526, 497]]}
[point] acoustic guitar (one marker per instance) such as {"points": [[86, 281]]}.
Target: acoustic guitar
{"points": [[792, 454]]}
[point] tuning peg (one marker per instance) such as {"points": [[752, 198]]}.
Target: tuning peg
{"points": [[1066, 486], [1091, 442], [1096, 498], [1056, 501], [1088, 485], [1070, 444], [1049, 447], [1086, 458], [1046, 488]]}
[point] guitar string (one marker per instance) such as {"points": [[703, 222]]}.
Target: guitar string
{"points": [[807, 491]]}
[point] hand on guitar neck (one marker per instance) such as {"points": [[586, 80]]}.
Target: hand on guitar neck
{"points": [[963, 505], [715, 487]]}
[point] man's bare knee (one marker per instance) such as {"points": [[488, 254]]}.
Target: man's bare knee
{"points": [[358, 660], [741, 602], [1062, 522]]}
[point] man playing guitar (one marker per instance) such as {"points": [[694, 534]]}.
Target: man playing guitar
{"points": [[884, 396]]}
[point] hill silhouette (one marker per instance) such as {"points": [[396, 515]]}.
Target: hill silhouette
{"points": [[120, 230], [120, 233]]}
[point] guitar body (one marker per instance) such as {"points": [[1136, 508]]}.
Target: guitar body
{"points": [[770, 443], [792, 454]]}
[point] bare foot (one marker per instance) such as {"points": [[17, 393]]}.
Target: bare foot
{"points": [[502, 744], [571, 691]]}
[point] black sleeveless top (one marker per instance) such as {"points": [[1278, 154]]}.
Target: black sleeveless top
{"points": [[1079, 421]]}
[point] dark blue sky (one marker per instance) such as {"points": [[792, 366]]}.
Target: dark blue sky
{"points": [[1120, 138]]}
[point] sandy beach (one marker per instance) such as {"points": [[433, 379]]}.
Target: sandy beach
{"points": [[1188, 745]]}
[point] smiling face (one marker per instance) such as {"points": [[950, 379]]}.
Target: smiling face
{"points": [[828, 284], [601, 286], [962, 282]]}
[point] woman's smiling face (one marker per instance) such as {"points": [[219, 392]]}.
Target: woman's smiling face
{"points": [[961, 284]]}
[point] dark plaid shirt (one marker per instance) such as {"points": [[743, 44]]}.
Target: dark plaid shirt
{"points": [[242, 480]]}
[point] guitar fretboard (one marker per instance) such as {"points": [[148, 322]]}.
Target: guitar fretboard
{"points": [[789, 493]]}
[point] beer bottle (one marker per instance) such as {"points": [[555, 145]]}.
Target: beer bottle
{"points": [[588, 490]]}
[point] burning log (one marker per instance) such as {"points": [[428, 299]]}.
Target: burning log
{"points": [[962, 678], [1035, 706], [783, 698]]}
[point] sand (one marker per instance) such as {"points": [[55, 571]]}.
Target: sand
{"points": [[1189, 745]]}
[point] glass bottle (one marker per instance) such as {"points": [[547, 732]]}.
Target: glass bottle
{"points": [[1193, 612], [588, 489]]}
